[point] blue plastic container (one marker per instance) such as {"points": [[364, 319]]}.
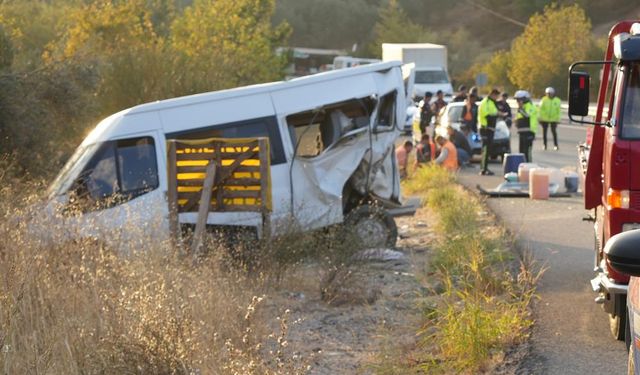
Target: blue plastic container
{"points": [[511, 162]]}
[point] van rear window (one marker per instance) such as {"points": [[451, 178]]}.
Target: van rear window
{"points": [[260, 127]]}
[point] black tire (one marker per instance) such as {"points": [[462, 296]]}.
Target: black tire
{"points": [[627, 333], [618, 320], [373, 226], [631, 365]]}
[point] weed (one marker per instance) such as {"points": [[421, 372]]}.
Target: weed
{"points": [[484, 307]]}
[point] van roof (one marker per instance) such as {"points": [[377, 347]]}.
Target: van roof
{"points": [[260, 88]]}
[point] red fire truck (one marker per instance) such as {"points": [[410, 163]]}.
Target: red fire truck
{"points": [[612, 160]]}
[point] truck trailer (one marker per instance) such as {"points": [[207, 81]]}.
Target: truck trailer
{"points": [[430, 65]]}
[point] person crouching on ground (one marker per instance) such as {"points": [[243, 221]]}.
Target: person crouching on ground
{"points": [[462, 145], [425, 150], [526, 122], [402, 157], [448, 157]]}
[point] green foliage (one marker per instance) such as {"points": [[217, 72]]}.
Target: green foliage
{"points": [[78, 61], [328, 23], [236, 48], [482, 309], [550, 43], [6, 51], [426, 178], [497, 70], [394, 26]]}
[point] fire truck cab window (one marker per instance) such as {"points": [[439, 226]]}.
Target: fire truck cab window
{"points": [[631, 110]]}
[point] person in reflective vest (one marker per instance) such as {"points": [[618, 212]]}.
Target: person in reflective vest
{"points": [[549, 115], [487, 117], [448, 157], [526, 123]]}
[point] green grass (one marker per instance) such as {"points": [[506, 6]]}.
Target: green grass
{"points": [[484, 307]]}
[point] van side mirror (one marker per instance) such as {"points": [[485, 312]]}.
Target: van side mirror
{"points": [[579, 93], [623, 252]]}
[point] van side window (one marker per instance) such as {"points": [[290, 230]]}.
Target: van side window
{"points": [[261, 127], [118, 172], [387, 111], [312, 132]]}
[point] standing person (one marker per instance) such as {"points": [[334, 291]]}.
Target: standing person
{"points": [[503, 106], [461, 95], [448, 157], [425, 150], [402, 157], [469, 114], [426, 112], [549, 115], [462, 145], [487, 116], [526, 122], [474, 91], [439, 103]]}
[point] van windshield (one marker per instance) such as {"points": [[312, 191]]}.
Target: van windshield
{"points": [[71, 169], [631, 109], [431, 76]]}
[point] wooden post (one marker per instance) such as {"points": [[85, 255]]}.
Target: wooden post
{"points": [[203, 211], [172, 195], [217, 147], [263, 148]]}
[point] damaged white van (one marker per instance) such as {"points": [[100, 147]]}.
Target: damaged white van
{"points": [[331, 143]]}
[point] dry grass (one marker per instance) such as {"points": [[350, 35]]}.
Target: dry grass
{"points": [[84, 308]]}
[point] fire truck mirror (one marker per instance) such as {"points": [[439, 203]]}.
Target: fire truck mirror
{"points": [[579, 93]]}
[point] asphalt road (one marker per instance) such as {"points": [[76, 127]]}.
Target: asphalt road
{"points": [[571, 334]]}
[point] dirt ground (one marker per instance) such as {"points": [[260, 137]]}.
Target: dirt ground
{"points": [[374, 311]]}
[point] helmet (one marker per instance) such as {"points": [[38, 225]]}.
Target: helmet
{"points": [[550, 91], [521, 94]]}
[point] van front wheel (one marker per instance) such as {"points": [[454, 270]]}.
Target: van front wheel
{"points": [[372, 226]]}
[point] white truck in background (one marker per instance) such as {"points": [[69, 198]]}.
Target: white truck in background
{"points": [[430, 65]]}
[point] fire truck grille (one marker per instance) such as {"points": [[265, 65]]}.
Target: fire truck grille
{"points": [[634, 200]]}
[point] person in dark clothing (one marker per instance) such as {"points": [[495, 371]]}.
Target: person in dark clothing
{"points": [[439, 103], [504, 107], [474, 91], [425, 150], [461, 95], [426, 113], [462, 145], [469, 114]]}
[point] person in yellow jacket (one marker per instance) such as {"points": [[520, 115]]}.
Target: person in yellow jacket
{"points": [[487, 116], [549, 114], [526, 122]]}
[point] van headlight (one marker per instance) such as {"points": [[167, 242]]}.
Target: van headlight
{"points": [[630, 226]]}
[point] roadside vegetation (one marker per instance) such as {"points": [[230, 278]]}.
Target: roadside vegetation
{"points": [[479, 286], [81, 307]]}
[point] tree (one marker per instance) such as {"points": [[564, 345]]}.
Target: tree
{"points": [[6, 51], [550, 43], [497, 70], [330, 24], [394, 26], [230, 43]]}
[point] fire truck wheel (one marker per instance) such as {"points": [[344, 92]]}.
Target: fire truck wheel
{"points": [[372, 226], [631, 366], [617, 325]]}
